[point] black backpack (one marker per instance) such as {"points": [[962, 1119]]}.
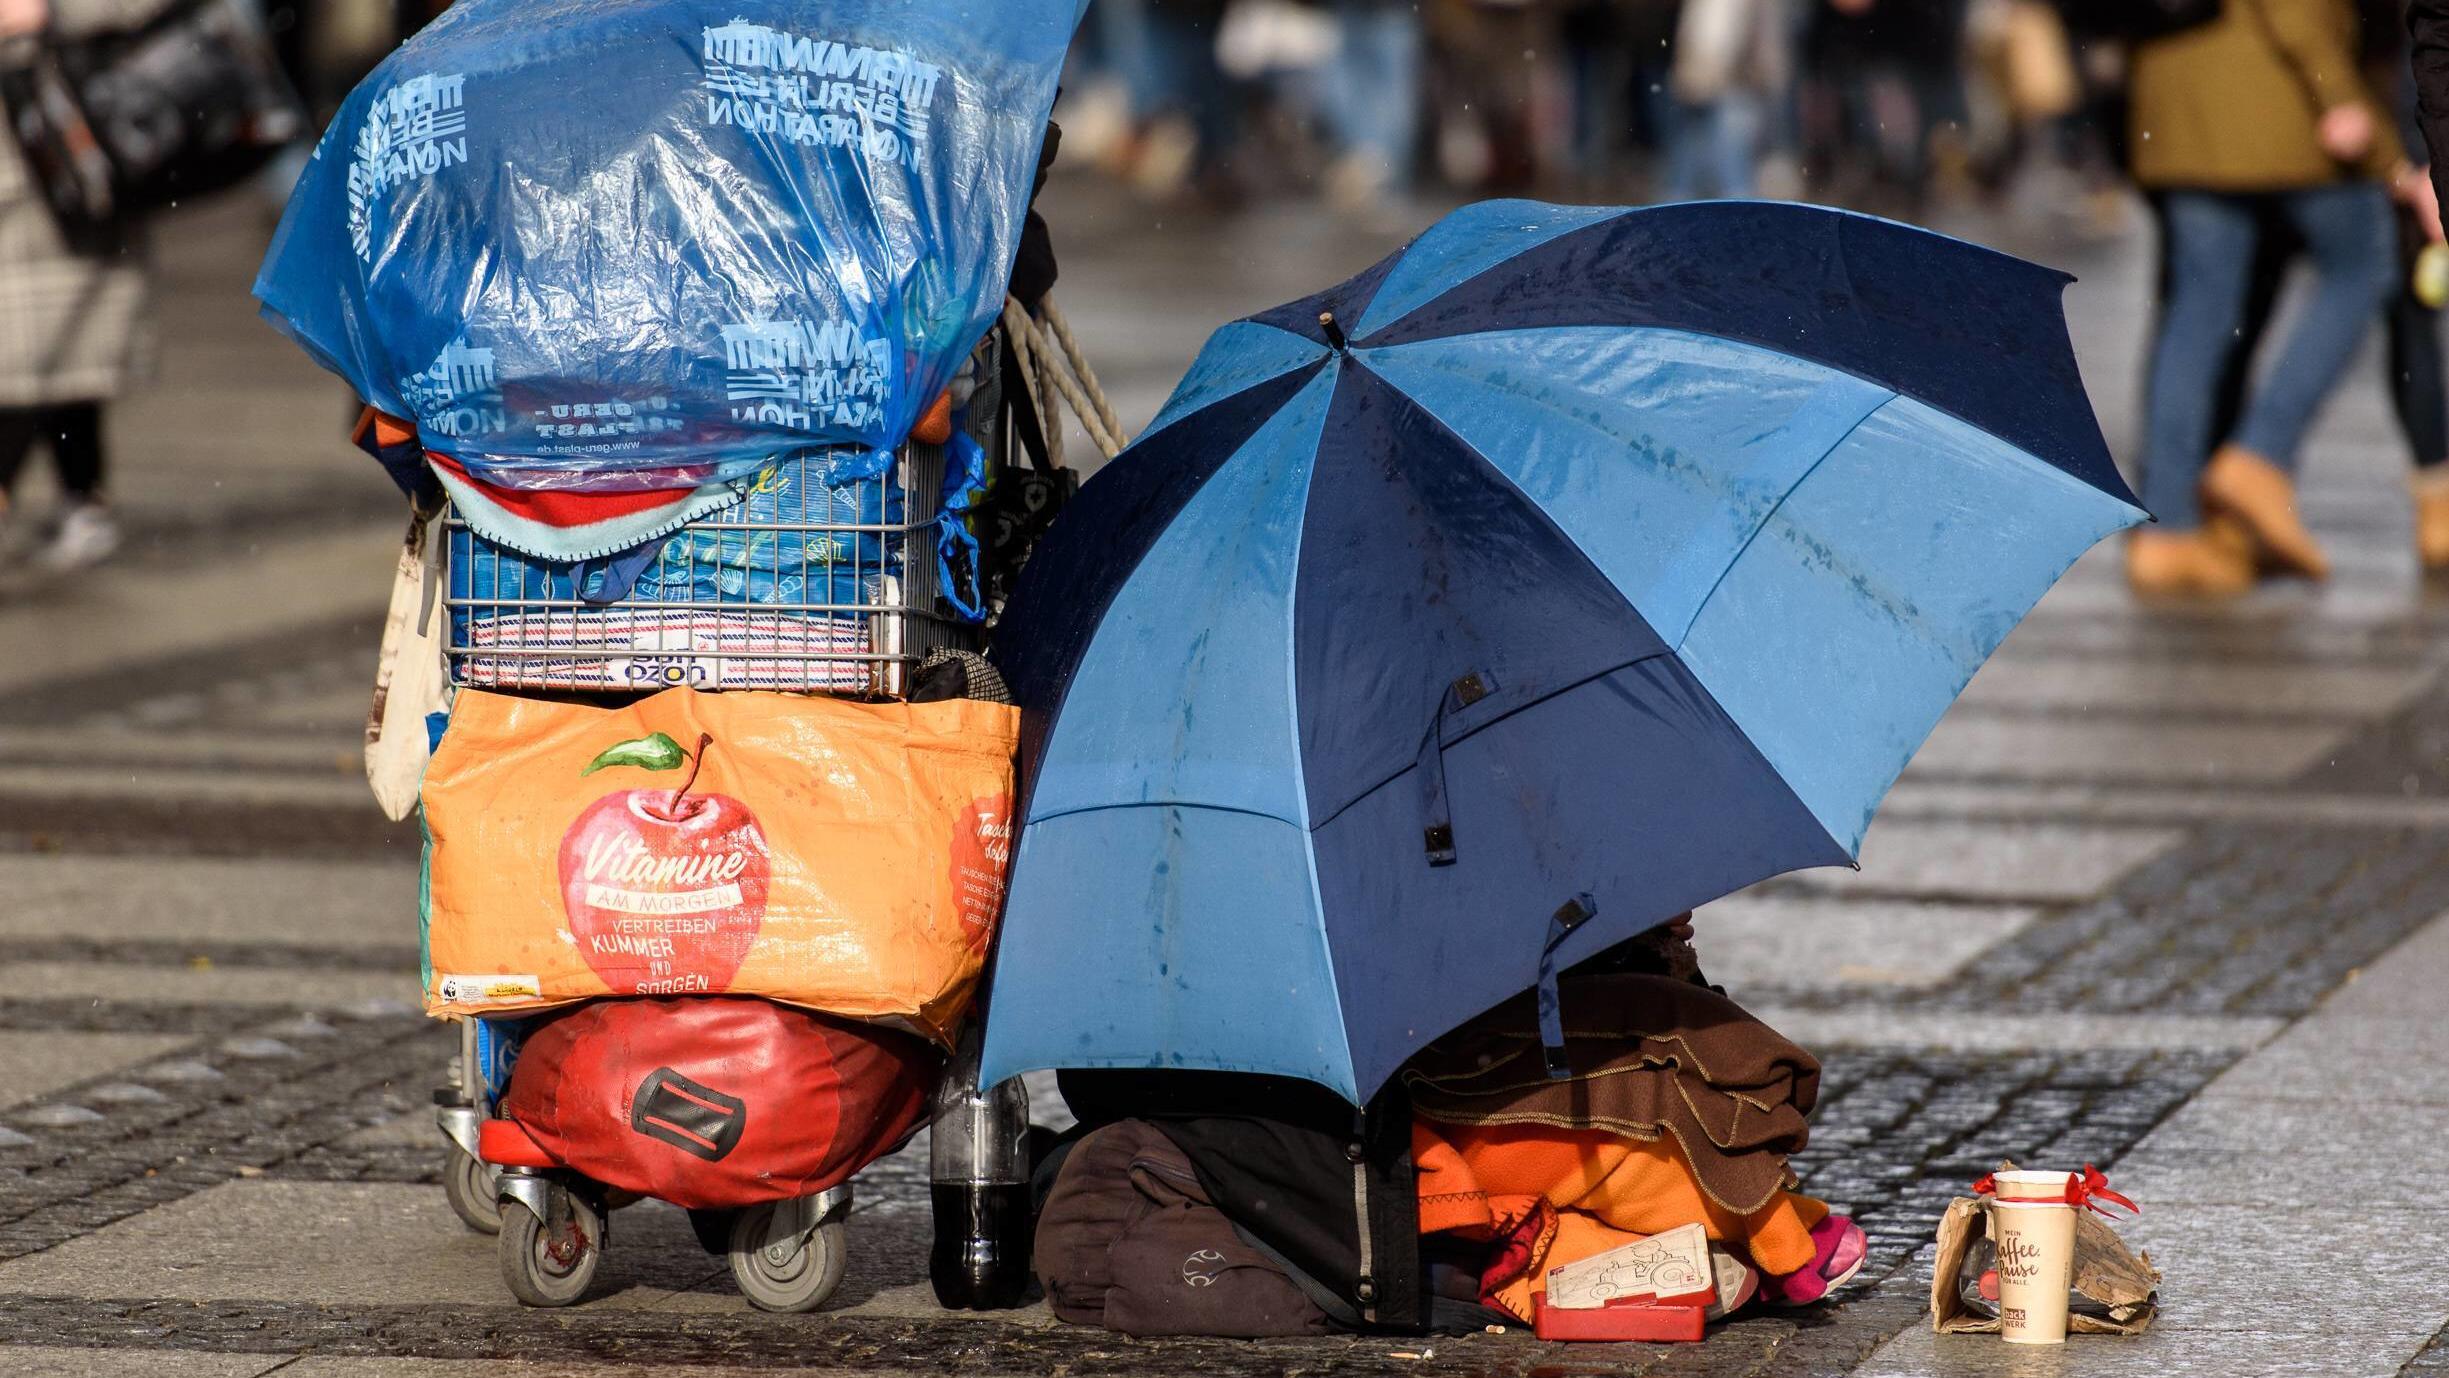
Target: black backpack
{"points": [[1324, 1192]]}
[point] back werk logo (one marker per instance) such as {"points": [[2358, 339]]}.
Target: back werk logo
{"points": [[412, 131], [818, 92]]}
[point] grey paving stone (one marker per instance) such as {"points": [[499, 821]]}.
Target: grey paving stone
{"points": [[191, 900], [216, 985], [1982, 745], [2240, 919], [39, 1361], [2313, 1268], [2246, 1350], [1990, 861], [320, 576], [35, 1064], [2310, 1062], [2223, 1118], [2406, 983], [2160, 806], [2433, 1361], [1775, 941], [339, 1244], [312, 1367], [2316, 691], [414, 1129], [1980, 1031]]}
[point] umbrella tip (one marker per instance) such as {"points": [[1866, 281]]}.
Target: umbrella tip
{"points": [[1335, 332]]}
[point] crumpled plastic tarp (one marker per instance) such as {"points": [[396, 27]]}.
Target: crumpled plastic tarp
{"points": [[614, 245]]}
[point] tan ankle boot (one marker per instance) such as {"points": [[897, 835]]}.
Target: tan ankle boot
{"points": [[2214, 562], [2432, 516], [2260, 495]]}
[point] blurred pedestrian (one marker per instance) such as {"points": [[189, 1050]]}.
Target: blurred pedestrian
{"points": [[2262, 110], [1183, 109], [1487, 58], [2428, 28], [1731, 68], [72, 317], [1886, 75], [1370, 100], [2418, 370]]}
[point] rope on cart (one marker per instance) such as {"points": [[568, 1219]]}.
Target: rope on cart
{"points": [[1059, 362], [1077, 358]]}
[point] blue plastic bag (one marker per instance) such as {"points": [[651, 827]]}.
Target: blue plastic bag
{"points": [[624, 244]]}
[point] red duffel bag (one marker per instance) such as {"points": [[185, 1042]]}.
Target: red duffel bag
{"points": [[711, 1102]]}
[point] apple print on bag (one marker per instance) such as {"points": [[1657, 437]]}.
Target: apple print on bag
{"points": [[665, 889]]}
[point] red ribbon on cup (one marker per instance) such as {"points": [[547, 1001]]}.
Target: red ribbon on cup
{"points": [[2085, 1190]]}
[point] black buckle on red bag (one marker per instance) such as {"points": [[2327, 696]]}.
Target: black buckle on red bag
{"points": [[688, 1115]]}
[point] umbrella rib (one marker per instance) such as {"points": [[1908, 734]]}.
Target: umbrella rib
{"points": [[1701, 605]]}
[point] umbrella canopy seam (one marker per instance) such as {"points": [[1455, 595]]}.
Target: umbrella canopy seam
{"points": [[1769, 516]]}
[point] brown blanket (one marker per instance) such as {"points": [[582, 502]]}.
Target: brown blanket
{"points": [[1650, 1055]]}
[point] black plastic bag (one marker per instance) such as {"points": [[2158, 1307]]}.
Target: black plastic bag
{"points": [[116, 125]]}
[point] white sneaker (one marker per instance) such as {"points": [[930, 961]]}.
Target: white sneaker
{"points": [[88, 535]]}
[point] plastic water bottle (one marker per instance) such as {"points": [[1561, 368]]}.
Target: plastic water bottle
{"points": [[978, 1162]]}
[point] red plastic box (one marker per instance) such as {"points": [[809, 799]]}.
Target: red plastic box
{"points": [[1644, 1320]]}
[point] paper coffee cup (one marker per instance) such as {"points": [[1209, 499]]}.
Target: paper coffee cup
{"points": [[2035, 1237]]}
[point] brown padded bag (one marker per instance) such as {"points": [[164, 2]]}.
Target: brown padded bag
{"points": [[1129, 1240]]}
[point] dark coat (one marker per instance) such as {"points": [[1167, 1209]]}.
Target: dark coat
{"points": [[2428, 32]]}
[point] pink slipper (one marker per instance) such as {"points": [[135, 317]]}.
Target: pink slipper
{"points": [[1839, 1248]]}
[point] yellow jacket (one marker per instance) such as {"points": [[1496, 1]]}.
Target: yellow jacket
{"points": [[2233, 105]]}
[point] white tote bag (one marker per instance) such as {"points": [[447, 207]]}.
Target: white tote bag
{"points": [[411, 680]]}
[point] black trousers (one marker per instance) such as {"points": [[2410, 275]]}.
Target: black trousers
{"points": [[74, 433]]}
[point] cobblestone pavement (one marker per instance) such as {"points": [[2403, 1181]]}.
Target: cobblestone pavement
{"points": [[2146, 845]]}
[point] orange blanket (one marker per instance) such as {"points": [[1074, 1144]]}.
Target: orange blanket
{"points": [[1551, 1196]]}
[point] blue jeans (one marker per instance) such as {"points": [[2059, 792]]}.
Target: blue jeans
{"points": [[1167, 61], [1369, 94], [1713, 150], [2346, 229]]}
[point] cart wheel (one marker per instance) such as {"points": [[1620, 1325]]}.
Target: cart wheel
{"points": [[785, 1261], [550, 1262], [468, 1185]]}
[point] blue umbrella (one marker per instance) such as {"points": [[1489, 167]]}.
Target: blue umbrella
{"points": [[1570, 568]]}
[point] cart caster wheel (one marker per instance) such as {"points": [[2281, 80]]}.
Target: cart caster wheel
{"points": [[551, 1262], [468, 1184], [784, 1260]]}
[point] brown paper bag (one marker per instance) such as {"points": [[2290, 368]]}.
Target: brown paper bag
{"points": [[2106, 1272]]}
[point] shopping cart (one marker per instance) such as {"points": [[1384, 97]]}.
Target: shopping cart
{"points": [[807, 585]]}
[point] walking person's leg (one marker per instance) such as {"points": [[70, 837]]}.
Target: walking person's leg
{"points": [[1372, 101], [2419, 392], [2346, 229], [1738, 124], [18, 428], [2209, 257], [88, 534]]}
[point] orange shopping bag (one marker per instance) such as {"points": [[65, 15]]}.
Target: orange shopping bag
{"points": [[848, 857]]}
